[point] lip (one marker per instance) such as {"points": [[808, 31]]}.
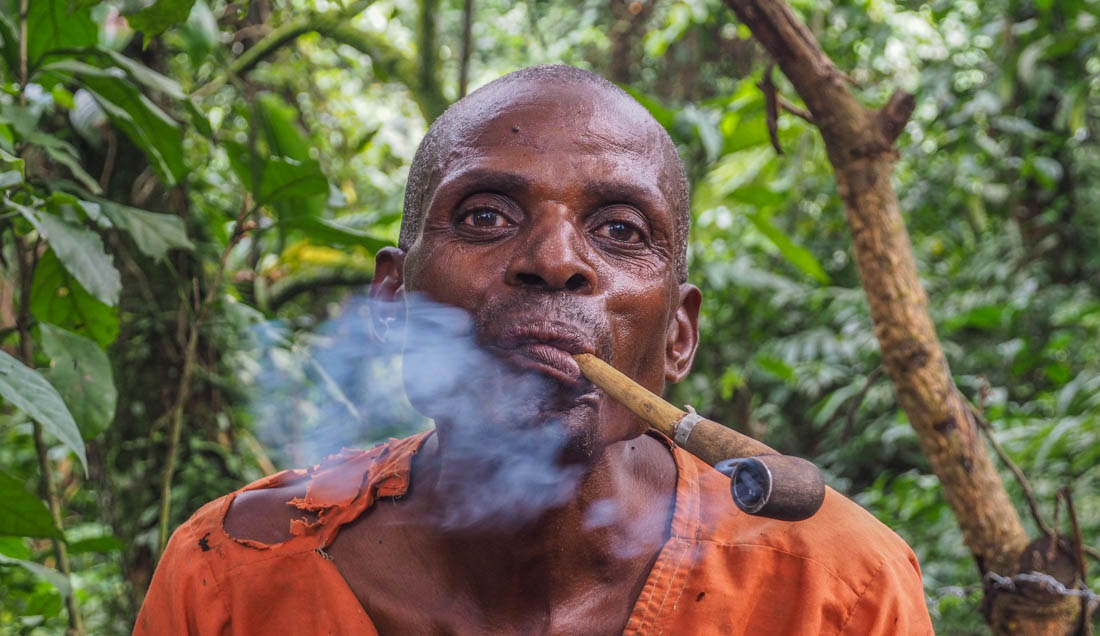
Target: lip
{"points": [[546, 347]]}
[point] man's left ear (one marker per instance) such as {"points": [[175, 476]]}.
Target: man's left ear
{"points": [[683, 334]]}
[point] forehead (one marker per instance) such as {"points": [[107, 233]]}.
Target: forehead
{"points": [[553, 120]]}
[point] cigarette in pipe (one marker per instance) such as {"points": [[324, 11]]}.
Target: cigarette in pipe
{"points": [[762, 481]]}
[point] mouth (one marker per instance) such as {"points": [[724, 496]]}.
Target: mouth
{"points": [[546, 348]]}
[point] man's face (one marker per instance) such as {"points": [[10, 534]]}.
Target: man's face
{"points": [[551, 224]]}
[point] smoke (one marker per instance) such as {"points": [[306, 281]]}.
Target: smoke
{"points": [[351, 383]]}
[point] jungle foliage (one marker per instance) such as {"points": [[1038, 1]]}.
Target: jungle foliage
{"points": [[193, 191]]}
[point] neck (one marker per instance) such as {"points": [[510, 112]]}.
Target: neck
{"points": [[504, 519]]}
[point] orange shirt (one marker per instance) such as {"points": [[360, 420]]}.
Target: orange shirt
{"points": [[720, 572]]}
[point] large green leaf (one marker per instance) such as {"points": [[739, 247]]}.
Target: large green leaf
{"points": [[23, 514], [798, 256], [158, 17], [326, 231], [81, 250], [81, 373], [59, 299], [140, 73], [153, 233], [281, 178], [157, 134], [26, 389], [53, 26]]}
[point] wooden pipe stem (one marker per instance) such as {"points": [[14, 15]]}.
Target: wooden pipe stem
{"points": [[710, 441], [762, 482]]}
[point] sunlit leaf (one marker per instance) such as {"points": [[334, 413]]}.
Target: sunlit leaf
{"points": [[81, 373], [26, 389], [23, 514]]}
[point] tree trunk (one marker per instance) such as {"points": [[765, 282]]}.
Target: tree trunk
{"points": [[859, 142]]}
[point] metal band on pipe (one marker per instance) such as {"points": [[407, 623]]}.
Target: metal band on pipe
{"points": [[686, 425]]}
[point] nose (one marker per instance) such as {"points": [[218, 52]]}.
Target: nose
{"points": [[552, 258]]}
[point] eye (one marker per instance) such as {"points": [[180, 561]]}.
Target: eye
{"points": [[483, 218], [620, 231]]}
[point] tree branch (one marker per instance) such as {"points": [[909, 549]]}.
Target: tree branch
{"points": [[183, 394], [280, 36], [27, 262], [859, 143], [467, 46], [289, 288]]}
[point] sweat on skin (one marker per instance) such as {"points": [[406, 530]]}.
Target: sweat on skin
{"points": [[548, 212]]}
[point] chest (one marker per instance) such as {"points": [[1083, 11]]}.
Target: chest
{"points": [[405, 587]]}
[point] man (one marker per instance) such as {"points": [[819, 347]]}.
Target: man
{"points": [[553, 210]]}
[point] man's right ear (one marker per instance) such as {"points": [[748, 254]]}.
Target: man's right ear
{"points": [[388, 283], [387, 291]]}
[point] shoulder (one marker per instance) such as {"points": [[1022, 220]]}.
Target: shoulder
{"points": [[842, 559]]}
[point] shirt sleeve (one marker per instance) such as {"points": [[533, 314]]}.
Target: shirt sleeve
{"points": [[892, 603], [183, 597]]}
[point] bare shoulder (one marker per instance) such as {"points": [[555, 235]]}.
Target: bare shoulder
{"points": [[264, 515]]}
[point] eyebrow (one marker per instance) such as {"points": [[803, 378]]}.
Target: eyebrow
{"points": [[622, 191], [495, 180]]}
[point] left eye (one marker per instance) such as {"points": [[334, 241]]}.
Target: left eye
{"points": [[484, 218], [620, 231]]}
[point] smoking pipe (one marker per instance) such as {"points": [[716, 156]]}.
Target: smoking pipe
{"points": [[762, 482]]}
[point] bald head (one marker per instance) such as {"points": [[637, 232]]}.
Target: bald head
{"points": [[460, 125]]}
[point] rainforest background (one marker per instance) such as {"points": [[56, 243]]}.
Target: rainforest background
{"points": [[192, 192]]}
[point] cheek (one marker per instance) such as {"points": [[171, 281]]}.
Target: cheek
{"points": [[446, 275], [639, 324]]}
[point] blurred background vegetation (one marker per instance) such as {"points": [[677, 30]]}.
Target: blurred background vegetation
{"points": [[193, 191]]}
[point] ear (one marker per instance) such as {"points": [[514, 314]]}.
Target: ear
{"points": [[682, 336], [387, 290]]}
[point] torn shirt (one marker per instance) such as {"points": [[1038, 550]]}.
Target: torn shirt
{"points": [[720, 571]]}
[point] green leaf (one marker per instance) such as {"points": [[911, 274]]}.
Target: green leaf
{"points": [[158, 136], [11, 163], [158, 17], [327, 231], [154, 234], [81, 373], [775, 366], [797, 255], [58, 299], [55, 27], [25, 389], [22, 513], [81, 251], [281, 178], [280, 122], [14, 547], [10, 178], [106, 543], [64, 153], [143, 74], [59, 580]]}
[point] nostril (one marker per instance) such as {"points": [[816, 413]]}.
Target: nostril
{"points": [[532, 280], [576, 282]]}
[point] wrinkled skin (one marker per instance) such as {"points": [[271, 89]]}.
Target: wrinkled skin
{"points": [[551, 223]]}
